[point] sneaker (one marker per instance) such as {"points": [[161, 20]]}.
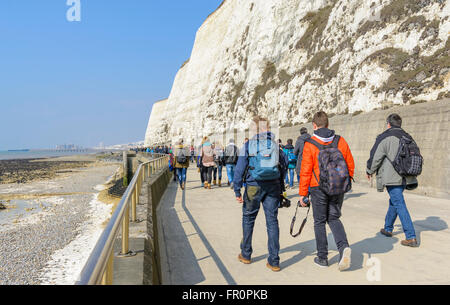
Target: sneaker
{"points": [[386, 233], [321, 262], [410, 243], [273, 268], [243, 260], [345, 262]]}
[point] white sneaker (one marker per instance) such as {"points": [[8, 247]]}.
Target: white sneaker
{"points": [[345, 262]]}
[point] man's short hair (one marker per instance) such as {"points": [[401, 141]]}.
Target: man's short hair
{"points": [[231, 141], [303, 130], [321, 119], [257, 120], [394, 120]]}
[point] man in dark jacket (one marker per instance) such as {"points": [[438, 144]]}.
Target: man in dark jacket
{"points": [[298, 149], [231, 157], [382, 154], [262, 165]]}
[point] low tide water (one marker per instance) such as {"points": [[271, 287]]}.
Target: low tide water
{"points": [[18, 209], [36, 154]]}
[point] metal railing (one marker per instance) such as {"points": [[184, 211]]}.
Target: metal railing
{"points": [[99, 266]]}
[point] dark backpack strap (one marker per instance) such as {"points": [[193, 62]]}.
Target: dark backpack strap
{"points": [[335, 142], [315, 143]]}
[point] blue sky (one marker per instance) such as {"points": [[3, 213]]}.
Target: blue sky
{"points": [[91, 81]]}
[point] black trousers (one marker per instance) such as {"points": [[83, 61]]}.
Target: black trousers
{"points": [[327, 210], [207, 174]]}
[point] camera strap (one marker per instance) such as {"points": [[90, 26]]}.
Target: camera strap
{"points": [[303, 223]]}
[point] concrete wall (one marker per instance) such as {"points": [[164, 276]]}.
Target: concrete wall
{"points": [[427, 123], [152, 263]]}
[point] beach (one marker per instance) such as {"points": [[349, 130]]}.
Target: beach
{"points": [[53, 217]]}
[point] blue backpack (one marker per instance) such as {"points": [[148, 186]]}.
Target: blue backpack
{"points": [[292, 158], [263, 159]]}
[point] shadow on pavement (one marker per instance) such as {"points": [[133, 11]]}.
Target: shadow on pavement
{"points": [[431, 223], [174, 235], [230, 280]]}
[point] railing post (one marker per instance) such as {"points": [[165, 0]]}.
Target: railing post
{"points": [[133, 207], [108, 276], [125, 235]]}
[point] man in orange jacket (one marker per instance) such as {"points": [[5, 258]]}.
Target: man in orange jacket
{"points": [[326, 208]]}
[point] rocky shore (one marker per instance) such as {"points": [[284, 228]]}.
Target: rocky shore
{"points": [[49, 245]]}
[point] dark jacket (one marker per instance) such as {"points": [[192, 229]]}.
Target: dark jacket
{"points": [[382, 153], [298, 150], [243, 162], [231, 154]]}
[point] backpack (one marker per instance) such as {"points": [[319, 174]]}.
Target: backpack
{"points": [[181, 157], [231, 154], [218, 155], [292, 158], [408, 161], [334, 174], [263, 159]]}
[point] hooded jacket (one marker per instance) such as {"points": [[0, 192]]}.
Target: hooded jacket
{"points": [[310, 160], [382, 153], [243, 163]]}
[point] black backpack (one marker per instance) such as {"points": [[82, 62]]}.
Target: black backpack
{"points": [[334, 175], [231, 155], [181, 157], [408, 161]]}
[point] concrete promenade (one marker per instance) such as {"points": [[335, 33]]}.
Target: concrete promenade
{"points": [[200, 232]]}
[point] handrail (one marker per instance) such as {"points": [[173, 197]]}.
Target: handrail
{"points": [[99, 266]]}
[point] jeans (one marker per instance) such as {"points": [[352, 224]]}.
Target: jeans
{"points": [[218, 168], [397, 207], [269, 195], [290, 177], [327, 209], [181, 172], [230, 172]]}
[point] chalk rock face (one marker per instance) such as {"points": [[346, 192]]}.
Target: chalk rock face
{"points": [[288, 59]]}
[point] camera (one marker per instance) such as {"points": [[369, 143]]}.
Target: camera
{"points": [[285, 202], [305, 201]]}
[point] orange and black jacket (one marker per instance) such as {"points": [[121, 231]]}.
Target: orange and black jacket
{"points": [[310, 160]]}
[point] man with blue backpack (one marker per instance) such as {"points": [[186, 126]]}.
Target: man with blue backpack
{"points": [[292, 163], [262, 166]]}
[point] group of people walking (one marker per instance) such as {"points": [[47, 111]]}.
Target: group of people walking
{"points": [[324, 166]]}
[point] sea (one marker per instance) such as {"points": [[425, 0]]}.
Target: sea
{"points": [[37, 154]]}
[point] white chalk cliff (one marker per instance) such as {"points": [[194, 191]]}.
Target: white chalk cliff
{"points": [[286, 59]]}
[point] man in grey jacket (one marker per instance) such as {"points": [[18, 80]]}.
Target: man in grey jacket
{"points": [[298, 149], [382, 154]]}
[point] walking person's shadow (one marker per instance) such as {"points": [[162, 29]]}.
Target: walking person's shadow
{"points": [[382, 244], [431, 223]]}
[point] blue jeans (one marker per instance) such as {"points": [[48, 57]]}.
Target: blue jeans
{"points": [[218, 168], [269, 195], [230, 172], [290, 177], [397, 207], [181, 172]]}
